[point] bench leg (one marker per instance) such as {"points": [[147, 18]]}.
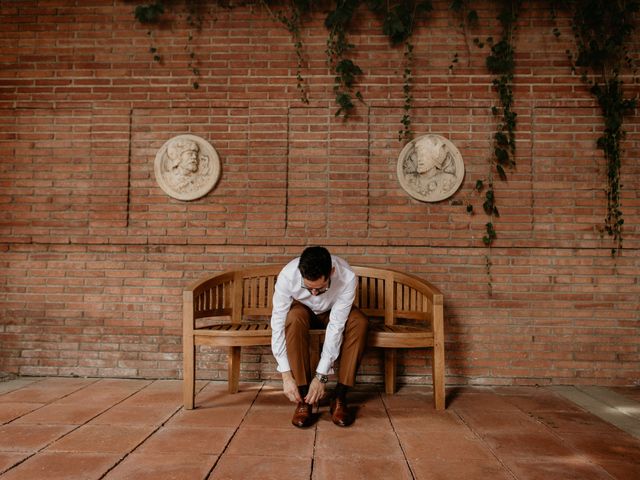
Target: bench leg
{"points": [[438, 378], [188, 373], [234, 369], [390, 371]]}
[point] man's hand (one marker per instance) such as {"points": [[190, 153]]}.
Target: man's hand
{"points": [[316, 392], [290, 387]]}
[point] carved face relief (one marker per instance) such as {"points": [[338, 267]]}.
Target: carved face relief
{"points": [[430, 168], [187, 167]]}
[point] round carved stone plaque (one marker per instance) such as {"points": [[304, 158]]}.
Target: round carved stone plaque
{"points": [[430, 168], [187, 167]]}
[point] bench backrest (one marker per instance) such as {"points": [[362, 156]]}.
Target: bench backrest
{"points": [[248, 293]]}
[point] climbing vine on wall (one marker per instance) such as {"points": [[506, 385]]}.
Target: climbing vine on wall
{"points": [[292, 21], [501, 64], [602, 29], [398, 22]]}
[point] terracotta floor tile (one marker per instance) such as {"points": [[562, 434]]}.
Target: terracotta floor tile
{"points": [[245, 467], [216, 395], [210, 440], [15, 384], [367, 419], [136, 415], [413, 400], [372, 398], [479, 401], [106, 391], [629, 392], [509, 421], [69, 414], [47, 390], [164, 393], [420, 419], [440, 447], [209, 417], [9, 459], [543, 403], [621, 447], [574, 422], [621, 470], [30, 438], [346, 442], [429, 468], [271, 397], [527, 445], [12, 410], [360, 468], [276, 417], [169, 466], [63, 466], [497, 433], [566, 469], [289, 441], [102, 439]]}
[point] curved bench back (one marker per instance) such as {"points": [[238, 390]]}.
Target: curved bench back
{"points": [[381, 293]]}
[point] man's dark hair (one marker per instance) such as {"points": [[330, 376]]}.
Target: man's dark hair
{"points": [[315, 262]]}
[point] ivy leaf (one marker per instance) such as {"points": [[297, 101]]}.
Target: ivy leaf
{"points": [[397, 23], [149, 13], [502, 156], [501, 173], [347, 70], [457, 5], [343, 99], [501, 138]]}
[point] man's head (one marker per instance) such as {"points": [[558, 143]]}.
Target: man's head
{"points": [[183, 154], [315, 263]]}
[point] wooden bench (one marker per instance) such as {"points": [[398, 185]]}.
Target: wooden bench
{"points": [[233, 310]]}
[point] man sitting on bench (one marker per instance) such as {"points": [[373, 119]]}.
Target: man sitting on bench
{"points": [[315, 291]]}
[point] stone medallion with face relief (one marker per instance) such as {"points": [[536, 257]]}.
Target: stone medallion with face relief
{"points": [[187, 167], [430, 168]]}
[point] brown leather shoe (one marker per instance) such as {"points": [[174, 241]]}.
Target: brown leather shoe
{"points": [[340, 413], [302, 415]]}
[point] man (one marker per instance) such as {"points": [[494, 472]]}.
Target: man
{"points": [[317, 290]]}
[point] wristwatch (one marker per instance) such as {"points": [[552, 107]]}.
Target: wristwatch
{"points": [[322, 378]]}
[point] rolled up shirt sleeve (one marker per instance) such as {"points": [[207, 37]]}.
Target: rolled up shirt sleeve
{"points": [[337, 320], [281, 303]]}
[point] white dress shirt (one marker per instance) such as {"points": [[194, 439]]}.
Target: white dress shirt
{"points": [[339, 299]]}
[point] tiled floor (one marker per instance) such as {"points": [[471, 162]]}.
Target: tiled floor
{"points": [[71, 428]]}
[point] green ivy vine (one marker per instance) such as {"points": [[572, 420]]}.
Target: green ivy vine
{"points": [[150, 14], [292, 22], [501, 64], [398, 23], [345, 70], [602, 29]]}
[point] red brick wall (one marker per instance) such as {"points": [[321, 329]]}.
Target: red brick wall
{"points": [[94, 256]]}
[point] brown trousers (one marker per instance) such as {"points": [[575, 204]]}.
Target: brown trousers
{"points": [[300, 320]]}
